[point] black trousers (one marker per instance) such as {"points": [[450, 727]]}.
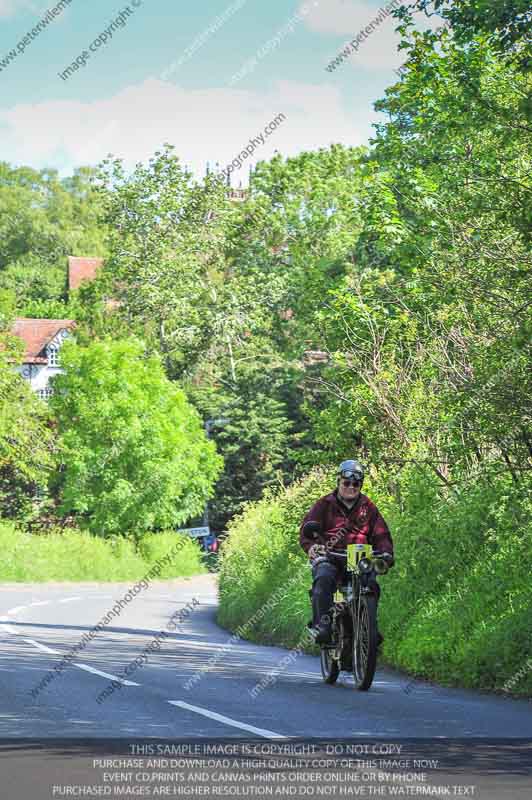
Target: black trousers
{"points": [[325, 578]]}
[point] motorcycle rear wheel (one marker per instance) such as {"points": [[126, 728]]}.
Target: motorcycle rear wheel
{"points": [[365, 643]]}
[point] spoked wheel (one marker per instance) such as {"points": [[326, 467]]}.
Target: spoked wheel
{"points": [[330, 669], [365, 643]]}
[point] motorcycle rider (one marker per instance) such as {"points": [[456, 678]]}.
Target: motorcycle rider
{"points": [[346, 516]]}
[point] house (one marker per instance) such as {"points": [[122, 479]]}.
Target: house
{"points": [[237, 195], [82, 269], [313, 357], [42, 339]]}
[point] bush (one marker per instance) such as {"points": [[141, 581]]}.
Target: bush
{"points": [[457, 607], [262, 556], [134, 451], [80, 556]]}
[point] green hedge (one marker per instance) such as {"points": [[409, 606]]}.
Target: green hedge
{"points": [[75, 556], [262, 555], [457, 607]]}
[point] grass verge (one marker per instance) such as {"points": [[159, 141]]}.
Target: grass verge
{"points": [[76, 556]]}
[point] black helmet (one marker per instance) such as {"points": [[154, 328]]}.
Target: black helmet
{"points": [[351, 469]]}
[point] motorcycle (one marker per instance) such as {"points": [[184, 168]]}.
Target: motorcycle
{"points": [[354, 634]]}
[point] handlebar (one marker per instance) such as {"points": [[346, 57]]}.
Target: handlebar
{"points": [[343, 553], [382, 561]]}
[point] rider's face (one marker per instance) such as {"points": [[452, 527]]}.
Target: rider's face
{"points": [[348, 489]]}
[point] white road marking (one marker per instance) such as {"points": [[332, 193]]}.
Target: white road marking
{"points": [[43, 647], [8, 628], [16, 609], [106, 675], [70, 599], [228, 721], [41, 603]]}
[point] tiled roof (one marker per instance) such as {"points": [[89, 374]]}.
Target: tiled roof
{"points": [[82, 269], [36, 333]]}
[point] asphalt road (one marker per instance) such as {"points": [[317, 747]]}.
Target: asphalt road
{"points": [[40, 623]]}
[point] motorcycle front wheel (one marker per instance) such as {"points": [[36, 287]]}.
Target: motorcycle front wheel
{"points": [[365, 643], [330, 669]]}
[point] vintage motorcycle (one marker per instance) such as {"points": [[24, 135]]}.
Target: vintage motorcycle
{"points": [[354, 635]]}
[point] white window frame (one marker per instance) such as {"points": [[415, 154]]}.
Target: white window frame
{"points": [[53, 356]]}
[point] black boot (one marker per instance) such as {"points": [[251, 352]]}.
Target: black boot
{"points": [[323, 633]]}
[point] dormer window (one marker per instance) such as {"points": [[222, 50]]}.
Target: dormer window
{"points": [[53, 360]]}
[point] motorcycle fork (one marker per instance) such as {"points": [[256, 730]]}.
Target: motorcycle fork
{"points": [[355, 605], [360, 587], [337, 630]]}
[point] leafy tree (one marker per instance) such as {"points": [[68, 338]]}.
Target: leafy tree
{"points": [[165, 246], [208, 283], [253, 432], [134, 453], [429, 334], [43, 219], [27, 449], [283, 249], [298, 229], [506, 22]]}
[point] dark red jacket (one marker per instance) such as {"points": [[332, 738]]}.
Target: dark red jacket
{"points": [[363, 524]]}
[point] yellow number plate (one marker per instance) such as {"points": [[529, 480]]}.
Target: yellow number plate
{"points": [[357, 551]]}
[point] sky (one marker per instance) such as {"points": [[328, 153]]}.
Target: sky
{"points": [[207, 77]]}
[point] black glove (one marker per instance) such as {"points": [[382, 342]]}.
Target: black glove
{"points": [[316, 550]]}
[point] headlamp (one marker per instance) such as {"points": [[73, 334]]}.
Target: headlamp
{"points": [[380, 565]]}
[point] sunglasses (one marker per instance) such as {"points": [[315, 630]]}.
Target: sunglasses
{"points": [[351, 482]]}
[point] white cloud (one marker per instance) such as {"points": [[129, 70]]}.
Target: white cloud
{"points": [[347, 18], [213, 124], [339, 16]]}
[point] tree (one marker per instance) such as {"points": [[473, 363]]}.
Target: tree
{"points": [[27, 447], [165, 254], [43, 219], [429, 334], [284, 247], [506, 22], [254, 435], [135, 456]]}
